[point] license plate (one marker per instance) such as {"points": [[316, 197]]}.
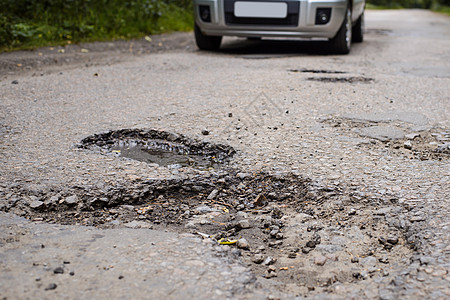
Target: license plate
{"points": [[276, 10]]}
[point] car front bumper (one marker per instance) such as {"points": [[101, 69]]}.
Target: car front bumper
{"points": [[300, 22]]}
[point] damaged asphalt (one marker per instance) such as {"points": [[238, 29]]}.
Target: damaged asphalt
{"points": [[325, 176]]}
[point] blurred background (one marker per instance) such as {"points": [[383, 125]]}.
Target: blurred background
{"points": [[29, 24]]}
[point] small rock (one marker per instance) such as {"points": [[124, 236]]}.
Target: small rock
{"points": [[51, 286], [213, 194], [36, 204], [243, 224], [412, 136], [258, 258], [279, 236], [242, 244], [354, 260], [292, 255], [243, 175], [53, 200], [320, 260], [58, 270], [352, 212], [269, 261], [71, 200], [71, 273], [421, 277], [203, 209], [407, 145], [383, 260], [306, 250], [15, 82], [205, 132], [392, 239], [275, 243], [273, 233], [382, 211]]}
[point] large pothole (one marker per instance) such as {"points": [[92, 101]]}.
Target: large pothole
{"points": [[284, 227]]}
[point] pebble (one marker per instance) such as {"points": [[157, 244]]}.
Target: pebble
{"points": [[58, 270], [258, 258], [383, 260], [243, 224], [205, 132], [71, 200], [320, 260], [243, 244], [243, 175], [421, 277], [51, 286], [269, 261], [36, 204], [392, 239], [407, 145], [411, 136], [306, 250], [213, 194], [354, 260]]}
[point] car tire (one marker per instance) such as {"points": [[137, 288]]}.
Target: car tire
{"points": [[205, 42], [358, 30], [341, 43]]}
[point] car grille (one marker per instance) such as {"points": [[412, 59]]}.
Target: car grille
{"points": [[290, 20]]}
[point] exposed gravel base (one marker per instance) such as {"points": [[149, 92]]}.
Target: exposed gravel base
{"points": [[370, 147]]}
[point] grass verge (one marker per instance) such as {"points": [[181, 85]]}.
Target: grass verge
{"points": [[30, 24]]}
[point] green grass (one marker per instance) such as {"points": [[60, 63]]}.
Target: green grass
{"points": [[435, 7], [29, 24], [442, 9], [379, 7]]}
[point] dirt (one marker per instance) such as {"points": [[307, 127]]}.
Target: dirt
{"points": [[51, 59]]}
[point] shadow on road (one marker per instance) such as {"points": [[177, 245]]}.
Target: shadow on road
{"points": [[274, 48]]}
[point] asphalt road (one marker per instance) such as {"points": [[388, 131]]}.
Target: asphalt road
{"points": [[373, 125]]}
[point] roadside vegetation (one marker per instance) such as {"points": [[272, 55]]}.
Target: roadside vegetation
{"points": [[28, 24], [435, 5]]}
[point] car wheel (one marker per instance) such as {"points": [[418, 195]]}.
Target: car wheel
{"points": [[342, 42], [358, 30], [205, 42]]}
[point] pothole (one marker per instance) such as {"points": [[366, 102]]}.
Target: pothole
{"points": [[351, 79], [159, 147], [283, 226], [430, 144]]}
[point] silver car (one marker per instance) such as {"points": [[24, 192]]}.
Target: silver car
{"points": [[339, 21]]}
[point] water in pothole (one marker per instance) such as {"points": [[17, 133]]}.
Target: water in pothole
{"points": [[164, 157]]}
